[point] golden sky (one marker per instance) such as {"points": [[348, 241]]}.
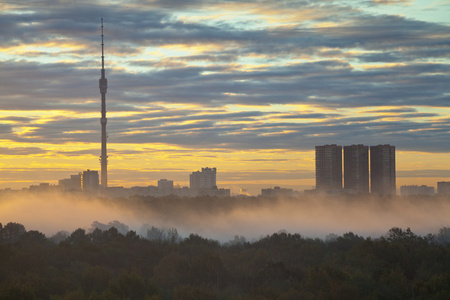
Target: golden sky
{"points": [[248, 87]]}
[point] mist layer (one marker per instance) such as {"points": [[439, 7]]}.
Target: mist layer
{"points": [[222, 219]]}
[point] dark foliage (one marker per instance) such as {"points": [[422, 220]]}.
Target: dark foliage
{"points": [[106, 264]]}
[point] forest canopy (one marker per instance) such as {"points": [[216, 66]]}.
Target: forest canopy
{"points": [[105, 263]]}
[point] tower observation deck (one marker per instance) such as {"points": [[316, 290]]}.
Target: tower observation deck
{"points": [[103, 85]]}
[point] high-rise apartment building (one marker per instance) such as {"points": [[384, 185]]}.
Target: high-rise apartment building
{"points": [[382, 170], [206, 179], [89, 181], [329, 167], [356, 168]]}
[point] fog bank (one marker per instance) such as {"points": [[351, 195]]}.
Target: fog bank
{"points": [[222, 219]]}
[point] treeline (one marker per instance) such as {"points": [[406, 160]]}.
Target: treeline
{"points": [[105, 264]]}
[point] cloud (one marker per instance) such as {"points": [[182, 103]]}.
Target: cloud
{"points": [[424, 173], [388, 2], [394, 110], [5, 129], [21, 151], [216, 128], [92, 152], [223, 75]]}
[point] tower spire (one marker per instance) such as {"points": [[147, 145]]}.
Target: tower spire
{"points": [[103, 85]]}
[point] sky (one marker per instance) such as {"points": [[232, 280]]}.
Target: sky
{"points": [[248, 87]]}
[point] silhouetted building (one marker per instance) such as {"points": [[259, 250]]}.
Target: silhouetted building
{"points": [[356, 168], [165, 187], [382, 170], [214, 192], [115, 192], [70, 184], [64, 184], [76, 181], [206, 179], [329, 167], [276, 192], [184, 192], [42, 187], [153, 191], [89, 181], [443, 188], [408, 190]]}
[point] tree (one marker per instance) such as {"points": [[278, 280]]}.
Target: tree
{"points": [[188, 292], [132, 236], [327, 282], [11, 232], [121, 227], [78, 237], [155, 234], [237, 241], [131, 285], [396, 234], [443, 237], [33, 237], [160, 234], [195, 239], [393, 285], [172, 236], [59, 237]]}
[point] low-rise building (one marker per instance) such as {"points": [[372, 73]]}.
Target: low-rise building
{"points": [[408, 190], [70, 184], [165, 187], [276, 192], [214, 192], [443, 188]]}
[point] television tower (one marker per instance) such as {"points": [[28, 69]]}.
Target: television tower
{"points": [[103, 85]]}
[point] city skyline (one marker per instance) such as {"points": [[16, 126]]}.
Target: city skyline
{"points": [[331, 168], [248, 88]]}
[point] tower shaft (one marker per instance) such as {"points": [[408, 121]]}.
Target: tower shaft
{"points": [[103, 85]]}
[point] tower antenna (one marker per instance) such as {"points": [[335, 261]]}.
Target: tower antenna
{"points": [[103, 85]]}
